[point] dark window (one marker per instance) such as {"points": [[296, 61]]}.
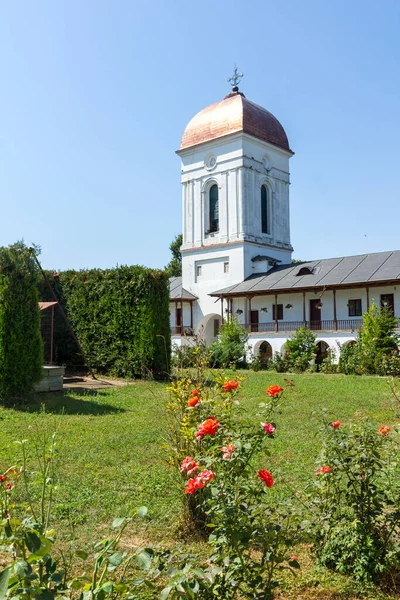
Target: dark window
{"points": [[214, 212], [355, 308], [279, 312], [264, 210], [305, 271], [178, 317], [387, 301]]}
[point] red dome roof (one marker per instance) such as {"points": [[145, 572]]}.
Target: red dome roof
{"points": [[234, 114]]}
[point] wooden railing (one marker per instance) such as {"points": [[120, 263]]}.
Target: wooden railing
{"points": [[323, 325], [351, 325]]}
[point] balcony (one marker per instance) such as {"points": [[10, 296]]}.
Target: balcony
{"points": [[289, 326]]}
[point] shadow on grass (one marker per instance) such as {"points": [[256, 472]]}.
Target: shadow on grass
{"points": [[67, 403]]}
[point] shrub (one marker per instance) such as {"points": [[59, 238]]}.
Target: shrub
{"points": [[190, 356], [21, 346], [279, 363], [230, 347], [300, 349], [121, 318], [215, 455], [388, 364], [357, 502], [328, 364], [376, 348], [350, 361]]}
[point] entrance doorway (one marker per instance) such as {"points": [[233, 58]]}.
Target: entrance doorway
{"points": [[178, 320], [322, 352], [254, 320], [265, 354], [315, 314]]}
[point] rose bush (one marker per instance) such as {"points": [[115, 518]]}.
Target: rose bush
{"points": [[356, 501], [228, 494]]}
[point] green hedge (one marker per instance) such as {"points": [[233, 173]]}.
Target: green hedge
{"points": [[120, 316], [21, 346]]}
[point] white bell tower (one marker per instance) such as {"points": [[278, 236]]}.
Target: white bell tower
{"points": [[235, 196]]}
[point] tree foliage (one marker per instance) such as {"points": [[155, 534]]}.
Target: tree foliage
{"points": [[120, 316], [300, 348], [21, 346], [174, 267], [230, 347], [376, 347]]}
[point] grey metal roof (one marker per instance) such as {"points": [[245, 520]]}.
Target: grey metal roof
{"points": [[328, 272], [177, 292]]}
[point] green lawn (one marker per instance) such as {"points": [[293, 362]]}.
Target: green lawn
{"points": [[113, 455]]}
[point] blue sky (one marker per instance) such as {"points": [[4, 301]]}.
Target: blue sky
{"points": [[96, 95]]}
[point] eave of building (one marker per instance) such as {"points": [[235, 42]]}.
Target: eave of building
{"points": [[300, 290], [183, 299], [233, 243], [234, 134]]}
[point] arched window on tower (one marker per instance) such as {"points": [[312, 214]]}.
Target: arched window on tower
{"points": [[214, 209], [265, 227]]}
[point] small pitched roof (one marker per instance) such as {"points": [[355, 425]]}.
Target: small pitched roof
{"points": [[346, 271], [45, 305], [177, 292]]}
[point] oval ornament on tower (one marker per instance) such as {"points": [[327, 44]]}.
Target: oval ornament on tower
{"points": [[266, 162], [210, 162]]}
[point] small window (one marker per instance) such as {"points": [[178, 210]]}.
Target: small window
{"points": [[279, 312], [198, 270], [355, 307], [305, 271], [214, 209], [264, 210], [226, 267]]}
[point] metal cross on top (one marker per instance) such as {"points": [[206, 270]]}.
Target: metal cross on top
{"points": [[235, 79]]}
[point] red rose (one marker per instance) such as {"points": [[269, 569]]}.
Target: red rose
{"points": [[205, 476], [193, 401], [266, 477], [335, 424], [268, 427], [274, 390], [228, 450], [323, 470], [197, 483], [189, 465], [208, 427], [195, 393], [384, 429], [232, 384]]}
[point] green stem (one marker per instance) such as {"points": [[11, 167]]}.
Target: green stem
{"points": [[26, 482]]}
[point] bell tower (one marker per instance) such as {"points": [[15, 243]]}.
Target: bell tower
{"points": [[235, 195]]}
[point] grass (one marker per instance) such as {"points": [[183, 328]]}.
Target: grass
{"points": [[113, 457]]}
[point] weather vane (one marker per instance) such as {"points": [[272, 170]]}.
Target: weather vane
{"points": [[235, 80]]}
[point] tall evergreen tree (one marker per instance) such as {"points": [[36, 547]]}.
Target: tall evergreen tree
{"points": [[174, 267]]}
